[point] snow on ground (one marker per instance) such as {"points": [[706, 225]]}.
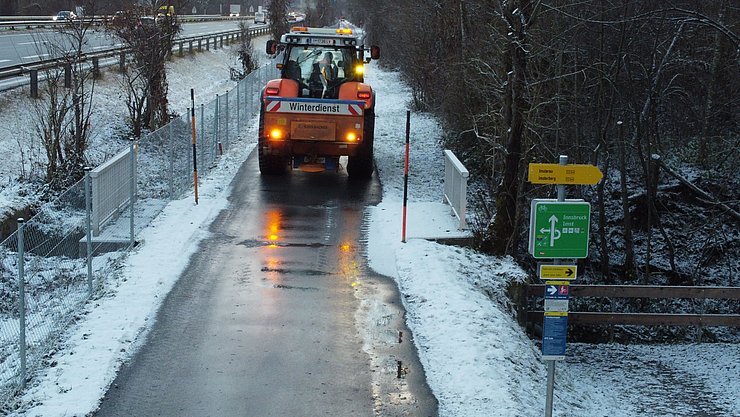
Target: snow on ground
{"points": [[477, 360]]}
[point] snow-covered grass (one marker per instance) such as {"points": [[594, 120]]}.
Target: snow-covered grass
{"points": [[477, 360]]}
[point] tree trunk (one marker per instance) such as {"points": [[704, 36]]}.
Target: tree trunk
{"points": [[709, 101], [504, 228], [629, 248]]}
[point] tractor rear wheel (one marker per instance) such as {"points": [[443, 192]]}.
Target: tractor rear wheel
{"points": [[361, 165]]}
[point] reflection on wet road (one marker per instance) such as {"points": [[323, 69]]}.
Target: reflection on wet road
{"points": [[278, 315]]}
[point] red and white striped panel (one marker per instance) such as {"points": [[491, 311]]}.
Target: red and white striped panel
{"points": [[314, 107]]}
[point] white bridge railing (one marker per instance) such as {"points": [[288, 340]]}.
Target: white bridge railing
{"points": [[456, 186], [111, 188]]}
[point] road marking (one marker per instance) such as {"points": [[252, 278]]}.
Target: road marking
{"points": [[34, 56], [4, 60]]}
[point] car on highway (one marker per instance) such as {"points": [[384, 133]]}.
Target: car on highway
{"points": [[67, 15], [260, 17], [146, 21]]}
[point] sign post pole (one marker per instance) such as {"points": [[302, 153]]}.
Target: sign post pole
{"points": [[551, 363]]}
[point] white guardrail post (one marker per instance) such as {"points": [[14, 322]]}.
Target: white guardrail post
{"points": [[456, 186]]}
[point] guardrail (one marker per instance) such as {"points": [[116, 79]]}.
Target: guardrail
{"points": [[647, 292], [456, 187], [33, 68], [11, 22]]}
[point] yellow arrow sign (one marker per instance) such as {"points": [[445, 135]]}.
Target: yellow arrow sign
{"points": [[558, 271], [564, 174]]}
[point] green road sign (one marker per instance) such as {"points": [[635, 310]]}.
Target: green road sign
{"points": [[559, 229]]}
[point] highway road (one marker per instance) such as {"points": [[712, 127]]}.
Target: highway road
{"points": [[268, 318], [25, 46]]}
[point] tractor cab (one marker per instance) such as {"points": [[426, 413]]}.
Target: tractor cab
{"points": [[321, 59]]}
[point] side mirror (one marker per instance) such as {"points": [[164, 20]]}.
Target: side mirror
{"points": [[271, 47], [375, 52]]}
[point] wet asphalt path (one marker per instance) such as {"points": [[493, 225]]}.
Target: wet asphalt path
{"points": [[268, 319]]}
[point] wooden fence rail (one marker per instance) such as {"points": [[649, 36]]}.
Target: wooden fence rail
{"points": [[648, 292]]}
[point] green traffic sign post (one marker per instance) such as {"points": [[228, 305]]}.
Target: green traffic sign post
{"points": [[560, 229]]}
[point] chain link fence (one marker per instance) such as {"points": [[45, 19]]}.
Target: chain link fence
{"points": [[52, 265]]}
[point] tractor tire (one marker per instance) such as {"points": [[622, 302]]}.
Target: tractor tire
{"points": [[361, 165], [269, 164]]}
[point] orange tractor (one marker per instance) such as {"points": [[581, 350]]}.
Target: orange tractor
{"points": [[319, 109]]}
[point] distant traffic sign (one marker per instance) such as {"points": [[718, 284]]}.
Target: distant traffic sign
{"points": [[572, 174], [558, 271], [559, 229]]}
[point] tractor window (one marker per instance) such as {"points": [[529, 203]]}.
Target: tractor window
{"points": [[303, 61]]}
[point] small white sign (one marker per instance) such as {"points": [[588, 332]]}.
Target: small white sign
{"points": [[556, 305]]}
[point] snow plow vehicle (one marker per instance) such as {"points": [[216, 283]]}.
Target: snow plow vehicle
{"points": [[319, 109]]}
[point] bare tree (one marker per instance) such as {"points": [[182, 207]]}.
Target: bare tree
{"points": [[518, 15], [63, 116], [246, 50], [150, 40]]}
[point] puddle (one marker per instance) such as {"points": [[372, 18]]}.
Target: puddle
{"points": [[292, 287], [309, 272]]}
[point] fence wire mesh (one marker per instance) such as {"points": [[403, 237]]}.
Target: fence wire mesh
{"points": [[58, 280]]}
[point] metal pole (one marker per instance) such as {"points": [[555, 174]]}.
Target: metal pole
{"points": [[172, 160], [550, 387], [551, 364], [216, 122], [227, 122], [202, 135], [238, 105], [132, 191], [195, 154], [22, 300], [249, 99], [88, 230], [561, 187], [406, 175], [34, 83]]}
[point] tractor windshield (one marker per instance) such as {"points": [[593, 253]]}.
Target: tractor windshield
{"points": [[320, 67]]}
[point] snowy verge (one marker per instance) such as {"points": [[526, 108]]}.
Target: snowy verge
{"points": [[114, 326]]}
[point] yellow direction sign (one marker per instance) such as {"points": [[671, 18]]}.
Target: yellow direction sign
{"points": [[564, 174], [558, 271]]}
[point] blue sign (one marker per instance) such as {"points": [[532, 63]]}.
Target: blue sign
{"points": [[556, 292], [554, 334]]}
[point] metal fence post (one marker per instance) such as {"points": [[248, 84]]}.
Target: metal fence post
{"points": [[216, 122], [202, 132], [132, 191], [171, 149], [226, 133], [22, 301], [248, 99], [88, 230], [238, 105], [96, 67], [34, 83]]}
